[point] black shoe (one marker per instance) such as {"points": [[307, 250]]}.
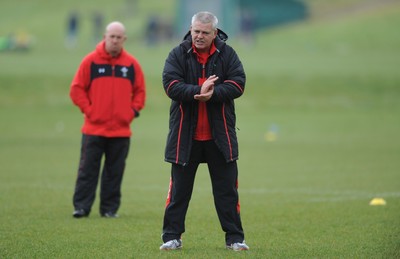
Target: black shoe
{"points": [[109, 215], [80, 213]]}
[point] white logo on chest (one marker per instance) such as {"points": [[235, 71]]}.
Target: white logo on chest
{"points": [[124, 71]]}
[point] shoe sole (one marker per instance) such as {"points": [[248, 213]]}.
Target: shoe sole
{"points": [[237, 250], [80, 216], [170, 249]]}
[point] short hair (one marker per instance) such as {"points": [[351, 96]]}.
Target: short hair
{"points": [[205, 17], [115, 24]]}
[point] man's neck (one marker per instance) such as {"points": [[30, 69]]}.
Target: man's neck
{"points": [[114, 54]]}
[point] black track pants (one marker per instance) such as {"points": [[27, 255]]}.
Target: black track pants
{"points": [[93, 148], [224, 178]]}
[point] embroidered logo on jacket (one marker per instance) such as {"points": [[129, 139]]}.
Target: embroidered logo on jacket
{"points": [[124, 71], [100, 70]]}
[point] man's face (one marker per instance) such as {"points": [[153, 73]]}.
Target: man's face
{"points": [[114, 39], [203, 35]]}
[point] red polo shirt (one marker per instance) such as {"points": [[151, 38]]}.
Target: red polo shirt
{"points": [[203, 129]]}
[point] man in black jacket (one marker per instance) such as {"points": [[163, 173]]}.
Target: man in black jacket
{"points": [[203, 76]]}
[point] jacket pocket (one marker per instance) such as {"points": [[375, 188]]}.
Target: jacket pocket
{"points": [[96, 115], [125, 117]]}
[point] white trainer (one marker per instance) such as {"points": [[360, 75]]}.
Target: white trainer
{"points": [[172, 245], [238, 246]]}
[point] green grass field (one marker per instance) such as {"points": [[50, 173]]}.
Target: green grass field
{"points": [[329, 87]]}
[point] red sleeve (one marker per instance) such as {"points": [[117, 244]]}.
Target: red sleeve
{"points": [[80, 85], [139, 89]]}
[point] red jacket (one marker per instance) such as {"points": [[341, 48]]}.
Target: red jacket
{"points": [[203, 129], [109, 91]]}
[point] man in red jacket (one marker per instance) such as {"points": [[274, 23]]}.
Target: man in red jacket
{"points": [[109, 89]]}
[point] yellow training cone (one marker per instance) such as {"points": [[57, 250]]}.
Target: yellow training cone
{"points": [[377, 201], [270, 136]]}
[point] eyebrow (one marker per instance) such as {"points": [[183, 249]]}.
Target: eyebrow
{"points": [[198, 30]]}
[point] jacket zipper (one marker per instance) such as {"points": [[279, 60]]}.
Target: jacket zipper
{"points": [[112, 93]]}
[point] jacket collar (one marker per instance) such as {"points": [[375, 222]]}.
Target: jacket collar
{"points": [[212, 49], [101, 50]]}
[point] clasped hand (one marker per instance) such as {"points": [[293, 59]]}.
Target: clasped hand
{"points": [[207, 89]]}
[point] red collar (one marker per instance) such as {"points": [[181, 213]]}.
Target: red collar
{"points": [[202, 57]]}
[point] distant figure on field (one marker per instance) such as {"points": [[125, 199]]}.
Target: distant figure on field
{"points": [[152, 31], [98, 25], [72, 30], [20, 41], [247, 26]]}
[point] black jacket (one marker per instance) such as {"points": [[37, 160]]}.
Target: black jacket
{"points": [[180, 80]]}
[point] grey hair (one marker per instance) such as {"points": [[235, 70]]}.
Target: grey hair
{"points": [[206, 17]]}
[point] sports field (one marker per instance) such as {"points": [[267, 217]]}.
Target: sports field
{"points": [[318, 129]]}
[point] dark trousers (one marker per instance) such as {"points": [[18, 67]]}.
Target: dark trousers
{"points": [[224, 179], [115, 151]]}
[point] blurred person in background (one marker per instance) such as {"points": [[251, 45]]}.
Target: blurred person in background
{"points": [[202, 76], [72, 30], [109, 89], [97, 24]]}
